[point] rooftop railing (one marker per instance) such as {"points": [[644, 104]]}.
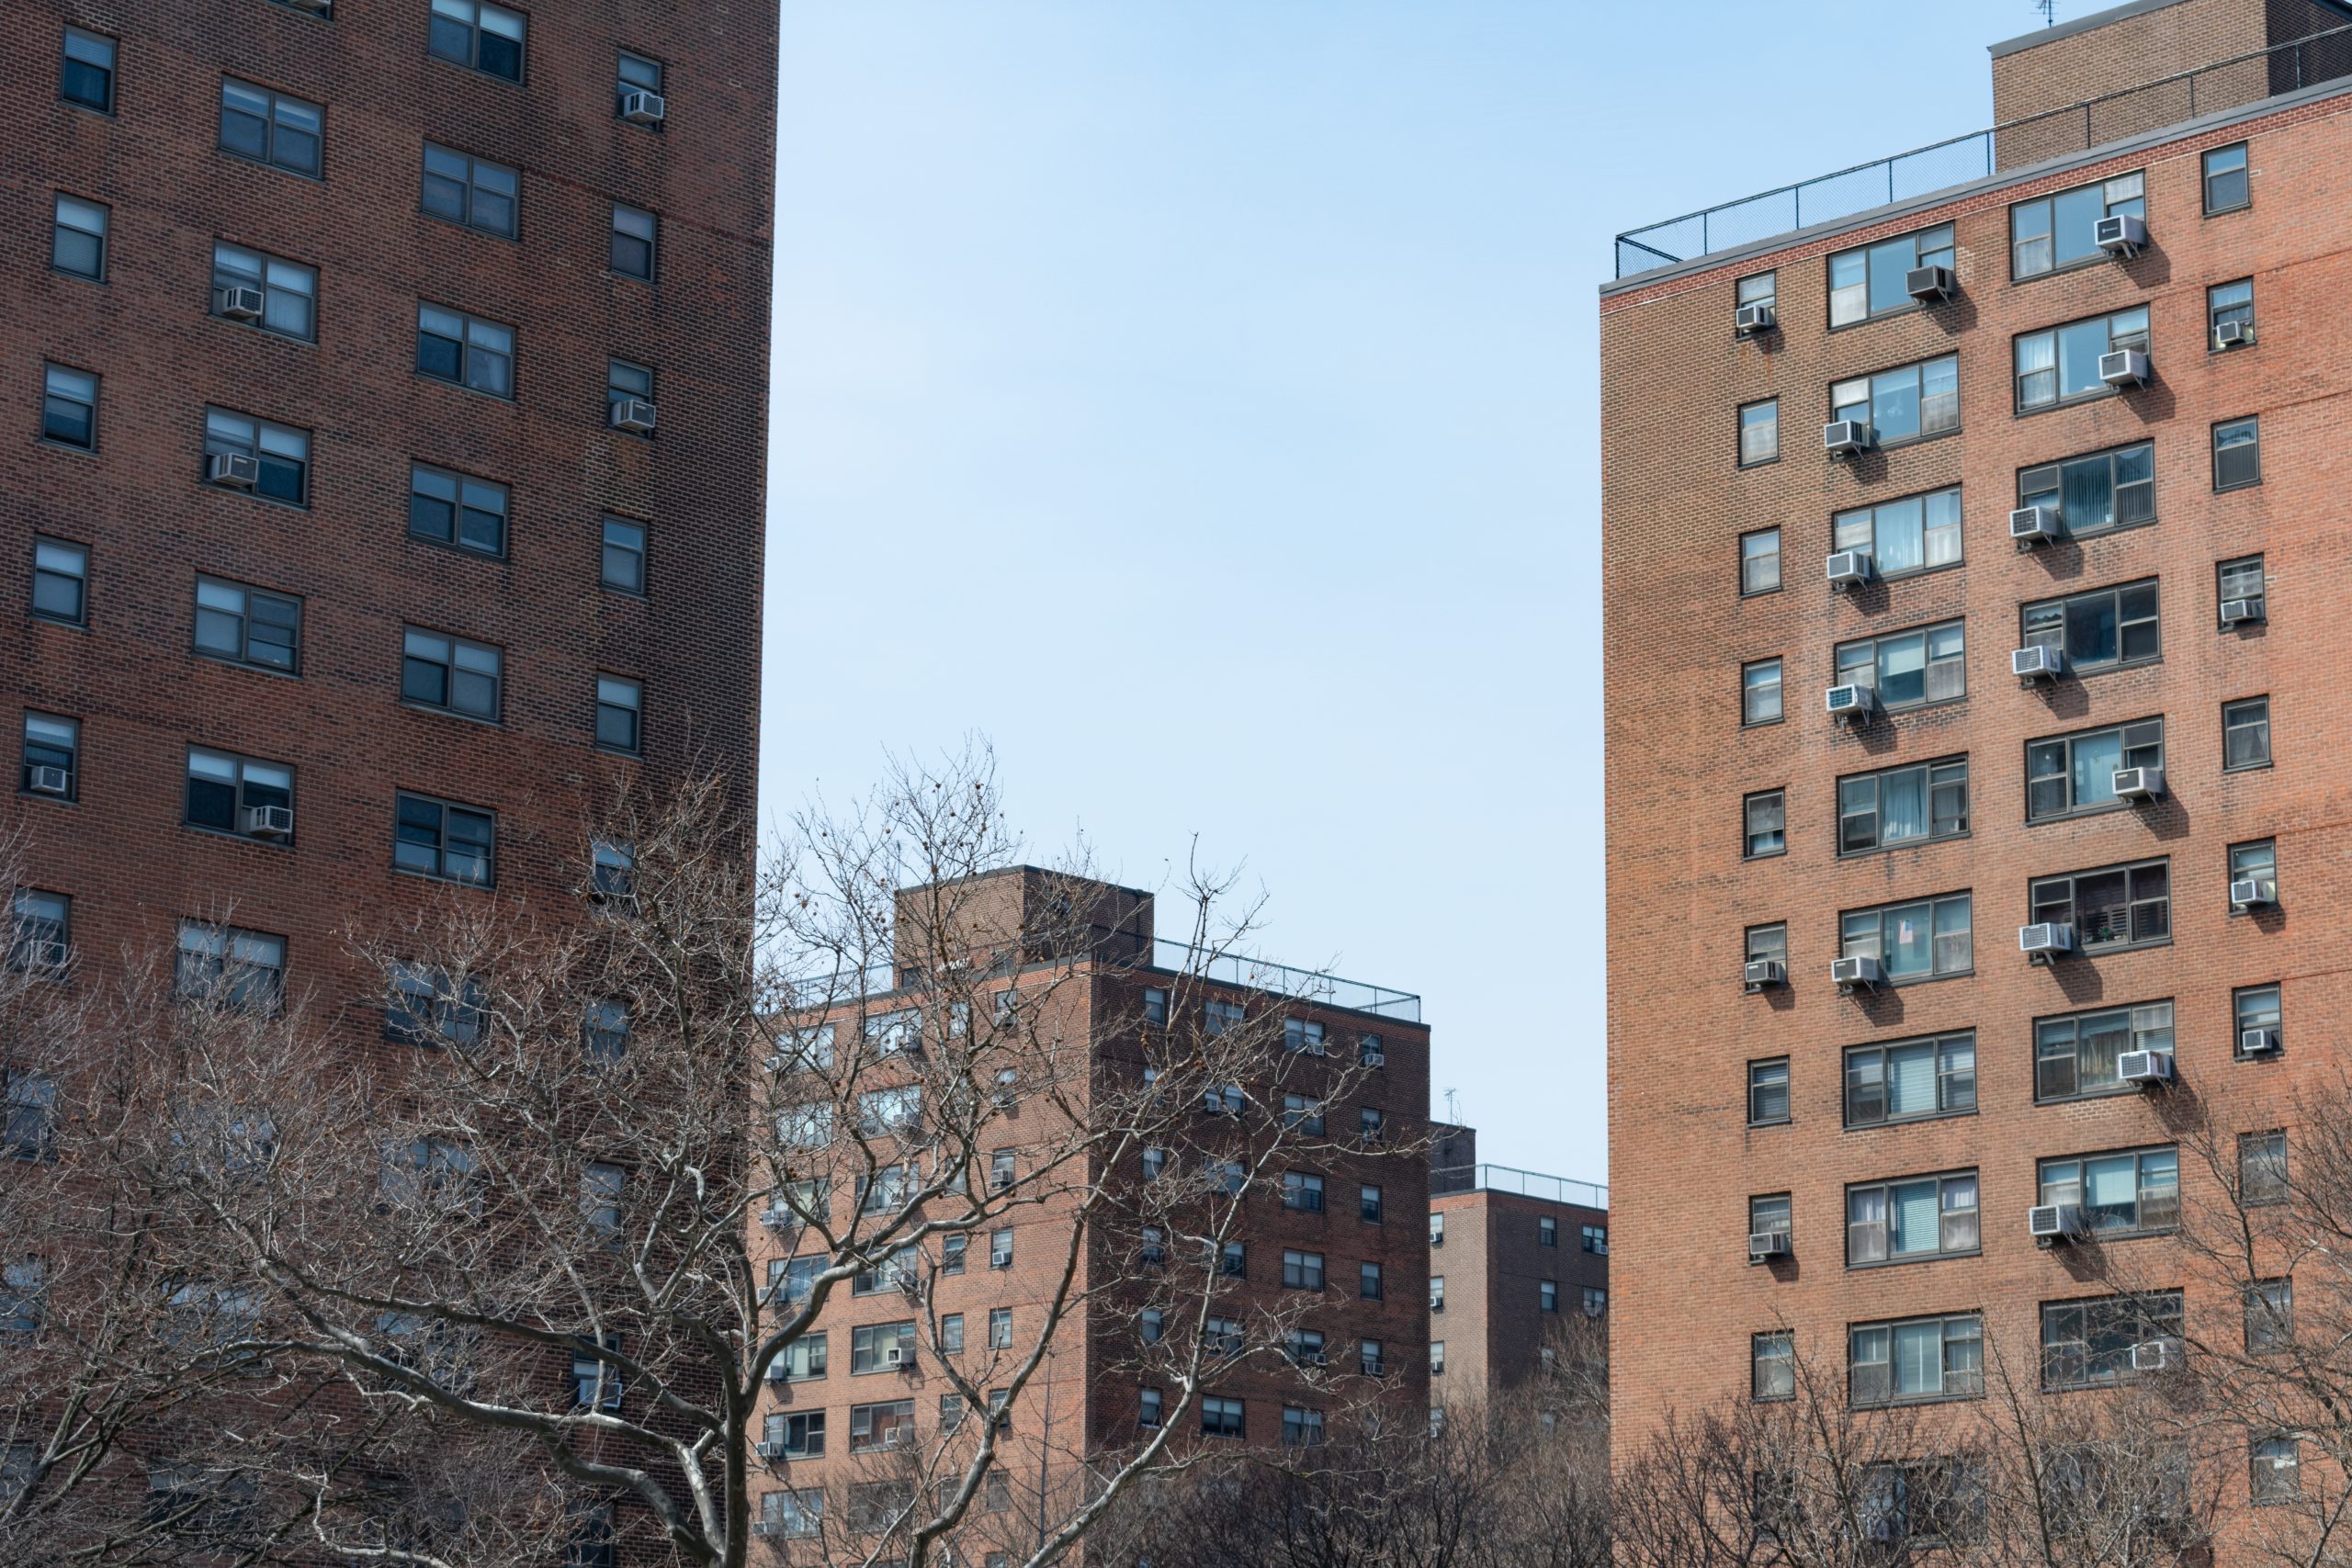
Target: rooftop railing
{"points": [[1306, 984], [2054, 134], [1525, 1183]]}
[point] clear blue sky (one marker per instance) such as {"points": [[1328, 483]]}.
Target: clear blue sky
{"points": [[1198, 399]]}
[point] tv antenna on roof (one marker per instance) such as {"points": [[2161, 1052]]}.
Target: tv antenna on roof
{"points": [[2048, 9], [1452, 1109]]}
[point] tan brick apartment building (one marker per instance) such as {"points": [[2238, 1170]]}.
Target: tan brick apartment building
{"points": [[1517, 1259], [2122, 465]]}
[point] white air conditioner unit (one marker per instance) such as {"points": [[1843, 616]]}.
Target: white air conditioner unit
{"points": [[1375, 1369], [894, 1437], [1375, 1058], [236, 469], [1850, 568], [48, 780], [1854, 703], [1929, 283], [2120, 236], [1762, 972], [2046, 940], [2238, 612], [894, 1355], [779, 1371], [2037, 663], [2232, 334], [2156, 1355], [633, 414], [2253, 893], [1844, 437], [1861, 970], [2144, 1067], [2032, 526], [642, 108], [767, 1449], [2258, 1042], [2054, 1222], [269, 821], [238, 302], [777, 1216], [2124, 368], [2139, 783], [1765, 1245], [1753, 319]]}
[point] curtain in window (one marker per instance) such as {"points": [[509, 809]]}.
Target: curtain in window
{"points": [[2112, 1190], [1899, 543], [1943, 528], [1911, 1222], [2104, 1039], [1903, 805], [2036, 371], [1918, 1358], [1895, 403], [2096, 759], [1903, 670], [1908, 942], [1954, 943], [2086, 493], [1911, 1081]]}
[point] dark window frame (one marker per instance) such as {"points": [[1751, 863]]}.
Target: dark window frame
{"points": [[1947, 1105], [1871, 510], [1868, 254], [2041, 906], [2132, 741], [2220, 453], [49, 370], [1920, 395], [2133, 1026], [1746, 589], [1781, 686], [2207, 176], [472, 193], [271, 128], [1929, 663], [460, 512], [103, 236], [407, 813], [1956, 1383], [1932, 903], [473, 51], [1785, 1084], [2163, 1222], [1740, 429], [1931, 785], [2056, 370], [1775, 801], [2063, 606], [2056, 469], [2241, 703], [2217, 312], [2110, 207], [67, 64], [1886, 1187], [2121, 1322], [246, 620]]}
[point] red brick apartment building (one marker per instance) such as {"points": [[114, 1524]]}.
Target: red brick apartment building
{"points": [[1516, 1260], [1966, 562]]}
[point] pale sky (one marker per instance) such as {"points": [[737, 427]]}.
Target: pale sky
{"points": [[1199, 401]]}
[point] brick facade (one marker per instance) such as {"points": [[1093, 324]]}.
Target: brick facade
{"points": [[1494, 1325]]}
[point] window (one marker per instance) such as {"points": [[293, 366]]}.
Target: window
{"points": [[1002, 1173], [40, 931], [2246, 733], [1903, 805], [2275, 1464], [624, 382], [793, 1515], [889, 1425], [239, 795], [2075, 1057], [1766, 813], [2237, 454], [604, 1032], [1233, 1261], [1929, 940], [1760, 692], [436, 838], [1302, 1037], [1909, 670], [1368, 1204], [1767, 1091], [2228, 304], [60, 581], [2088, 1344], [1302, 1191], [2262, 1168], [2256, 860], [1759, 562], [77, 243], [1301, 1428], [1548, 1231], [449, 673], [281, 454], [1368, 1282], [2115, 906], [1155, 1008], [879, 1347], [884, 1110], [2094, 493], [69, 407], [636, 73], [1000, 1249], [289, 291], [1372, 1125], [1222, 1417], [1898, 1221], [2060, 230], [484, 38], [471, 191], [1547, 1295], [2269, 1316], [1216, 1017], [1760, 288], [1760, 432], [2060, 365], [1437, 1357], [619, 708], [431, 1007], [85, 75], [601, 1185], [1911, 1081], [1772, 1366], [1870, 280], [2256, 1008], [2241, 581], [2068, 774], [1906, 403], [1769, 1214], [631, 255], [270, 126], [23, 1289], [1768, 941], [612, 877], [247, 625], [1371, 1051], [28, 1115], [457, 509], [1302, 1270], [1436, 1229], [2129, 1193], [240, 969], [2225, 180], [1150, 1326], [1594, 1239], [466, 350], [1917, 534], [1924, 1359], [624, 558], [52, 746], [999, 1328]]}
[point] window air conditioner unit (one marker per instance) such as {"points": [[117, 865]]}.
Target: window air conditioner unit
{"points": [[778, 1371], [642, 108], [48, 780], [2144, 1067], [2045, 940], [1753, 319], [1929, 283], [2232, 334], [2032, 526], [1375, 1369], [1861, 970], [778, 1216], [237, 302], [1844, 437], [633, 414], [1375, 1058], [1762, 972], [2253, 893], [2156, 1355], [2258, 1042], [1854, 703], [269, 821], [766, 1449], [1850, 568], [2121, 236], [894, 1437], [2054, 1222], [894, 1355], [236, 469], [2037, 663], [1764, 1246], [2124, 368], [2139, 783], [2238, 612]]}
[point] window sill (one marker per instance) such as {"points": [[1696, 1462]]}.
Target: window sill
{"points": [[2231, 489], [243, 493], [2119, 947], [2249, 768], [1784, 1122], [80, 626], [2225, 211], [1915, 572], [1762, 723], [53, 444], [2119, 1091], [2071, 536], [2099, 259], [1909, 1121], [2080, 399], [2080, 674], [260, 331], [451, 713], [1758, 463], [453, 548], [507, 398], [57, 271], [234, 837], [471, 69], [2080, 813], [1913, 308], [1878, 445], [514, 239], [293, 674], [1851, 1267], [1906, 1402], [236, 157], [410, 871], [1921, 707]]}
